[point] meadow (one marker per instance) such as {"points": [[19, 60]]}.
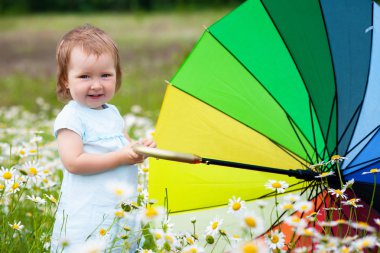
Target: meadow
{"points": [[152, 47]]}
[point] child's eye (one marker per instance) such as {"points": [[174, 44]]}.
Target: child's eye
{"points": [[84, 76], [106, 75]]}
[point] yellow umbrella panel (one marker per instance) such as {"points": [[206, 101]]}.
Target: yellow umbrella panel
{"points": [[188, 125]]}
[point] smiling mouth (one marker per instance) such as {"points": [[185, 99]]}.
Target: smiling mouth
{"points": [[95, 96]]}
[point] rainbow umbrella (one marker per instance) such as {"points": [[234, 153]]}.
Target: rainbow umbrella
{"points": [[273, 87]]}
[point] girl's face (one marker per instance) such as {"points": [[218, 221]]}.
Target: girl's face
{"points": [[91, 79]]}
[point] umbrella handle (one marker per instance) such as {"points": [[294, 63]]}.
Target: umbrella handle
{"points": [[166, 154]]}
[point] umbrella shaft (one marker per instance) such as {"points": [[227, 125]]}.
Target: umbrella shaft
{"points": [[301, 174]]}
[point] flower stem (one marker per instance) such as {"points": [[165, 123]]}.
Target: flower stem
{"points": [[373, 196]]}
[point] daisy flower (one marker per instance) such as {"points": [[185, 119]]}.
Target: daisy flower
{"points": [[286, 206], [253, 222], [325, 174], [348, 184], [338, 193], [31, 168], [352, 202], [278, 186], [16, 226], [150, 214], [317, 165], [292, 198], [235, 205], [119, 213], [252, 247], [7, 174], [193, 249], [51, 198], [276, 240], [92, 246], [365, 243], [296, 222], [337, 159], [36, 199], [363, 225], [214, 226], [303, 206], [103, 234], [119, 189], [373, 171]]}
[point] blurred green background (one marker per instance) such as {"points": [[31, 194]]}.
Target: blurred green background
{"points": [[154, 38]]}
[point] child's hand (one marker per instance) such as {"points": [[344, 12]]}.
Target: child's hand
{"points": [[128, 156], [148, 143]]}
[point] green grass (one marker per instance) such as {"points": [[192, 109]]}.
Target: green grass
{"points": [[152, 47]]}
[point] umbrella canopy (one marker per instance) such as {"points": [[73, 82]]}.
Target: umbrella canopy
{"points": [[276, 84]]}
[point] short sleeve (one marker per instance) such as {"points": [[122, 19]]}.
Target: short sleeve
{"points": [[68, 118]]}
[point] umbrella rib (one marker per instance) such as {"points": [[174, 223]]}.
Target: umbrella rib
{"points": [[312, 127], [329, 126], [299, 139]]}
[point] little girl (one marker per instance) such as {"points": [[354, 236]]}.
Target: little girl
{"points": [[91, 143]]}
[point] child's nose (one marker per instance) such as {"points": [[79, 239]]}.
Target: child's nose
{"points": [[96, 84]]}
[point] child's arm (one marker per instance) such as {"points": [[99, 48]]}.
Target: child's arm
{"points": [[76, 161]]}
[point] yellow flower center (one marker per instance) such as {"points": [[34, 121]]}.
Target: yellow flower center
{"points": [[15, 186], [340, 221], [119, 192], [102, 232], [374, 170], [308, 232], [190, 240], [45, 180], [33, 171], [339, 192], [324, 174], [52, 199], [296, 219], [250, 248], [365, 244], [119, 214], [45, 171], [250, 221], [335, 157], [15, 226], [363, 224], [275, 239], [22, 152], [304, 207], [193, 250], [169, 238], [151, 212], [7, 175], [287, 206], [2, 187], [214, 225], [158, 236], [236, 206], [145, 170], [276, 185]]}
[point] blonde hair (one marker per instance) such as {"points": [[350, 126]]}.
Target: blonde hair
{"points": [[92, 40]]}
